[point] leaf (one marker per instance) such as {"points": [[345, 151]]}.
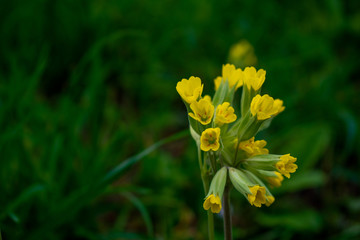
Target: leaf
{"points": [[145, 214], [307, 143], [119, 169], [80, 197], [24, 196], [302, 180], [304, 220]]}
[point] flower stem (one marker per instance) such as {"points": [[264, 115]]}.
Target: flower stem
{"points": [[227, 214], [205, 181], [211, 225]]}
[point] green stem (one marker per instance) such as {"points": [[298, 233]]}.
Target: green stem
{"points": [[212, 161], [205, 181], [227, 214], [211, 225]]}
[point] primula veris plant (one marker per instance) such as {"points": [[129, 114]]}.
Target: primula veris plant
{"points": [[228, 154]]}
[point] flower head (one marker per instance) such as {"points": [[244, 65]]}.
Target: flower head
{"points": [[213, 202], [286, 165], [224, 114], [253, 148], [275, 181], [242, 53], [230, 73], [265, 107], [209, 139], [253, 79], [203, 111], [190, 90], [257, 196]]}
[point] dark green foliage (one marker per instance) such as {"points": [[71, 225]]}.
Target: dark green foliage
{"points": [[84, 85]]}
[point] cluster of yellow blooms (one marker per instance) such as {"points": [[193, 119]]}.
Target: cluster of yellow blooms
{"points": [[228, 141]]}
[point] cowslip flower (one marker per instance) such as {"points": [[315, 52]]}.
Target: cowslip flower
{"points": [[190, 89], [269, 200], [253, 148], [213, 202], [232, 75], [257, 196], [242, 53], [209, 139], [207, 98], [253, 79], [214, 122], [213, 199], [265, 107], [286, 165], [203, 111], [275, 181], [224, 114]]}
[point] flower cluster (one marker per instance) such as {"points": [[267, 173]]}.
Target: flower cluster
{"points": [[226, 136]]}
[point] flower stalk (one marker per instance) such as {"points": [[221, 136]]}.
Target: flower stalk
{"points": [[227, 214], [228, 153]]}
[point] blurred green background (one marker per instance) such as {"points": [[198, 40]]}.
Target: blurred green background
{"points": [[86, 84]]}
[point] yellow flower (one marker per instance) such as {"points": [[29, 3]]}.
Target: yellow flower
{"points": [[275, 181], [230, 73], [265, 107], [209, 139], [269, 200], [253, 148], [203, 111], [253, 79], [242, 52], [217, 82], [190, 90], [207, 98], [213, 202], [286, 165], [224, 114], [257, 196]]}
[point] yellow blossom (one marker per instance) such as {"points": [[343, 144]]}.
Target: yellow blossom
{"points": [[257, 196], [265, 107], [209, 139], [213, 202], [203, 111], [207, 98], [286, 165], [275, 181], [253, 79], [269, 200], [217, 82], [224, 114], [242, 53], [230, 73], [253, 148], [190, 90]]}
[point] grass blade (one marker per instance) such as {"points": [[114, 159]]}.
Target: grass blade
{"points": [[25, 195], [145, 214]]}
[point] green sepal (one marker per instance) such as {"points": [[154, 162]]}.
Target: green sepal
{"points": [[218, 182], [257, 180], [240, 181], [220, 93], [246, 98], [195, 136], [192, 122]]}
